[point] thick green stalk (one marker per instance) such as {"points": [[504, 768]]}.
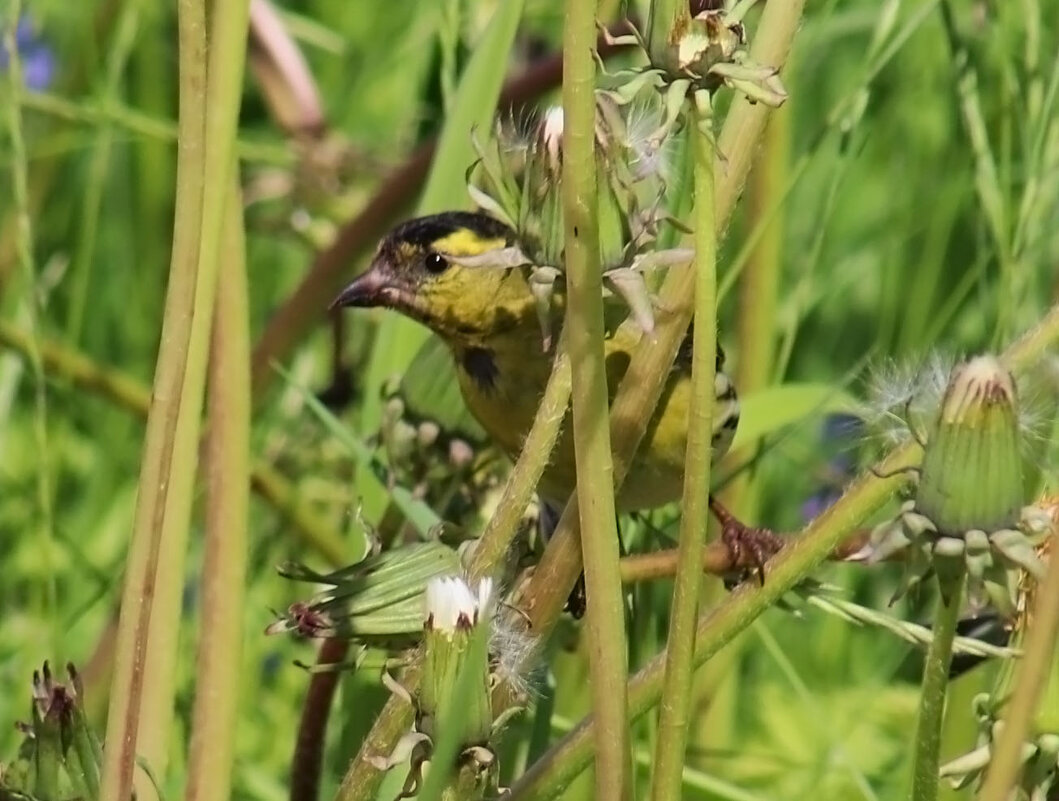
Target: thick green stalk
{"points": [[1031, 677], [567, 758], [521, 483], [219, 669], [608, 655], [135, 397], [141, 711], [675, 709], [932, 696], [159, 463]]}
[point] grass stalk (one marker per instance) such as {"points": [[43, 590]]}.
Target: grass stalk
{"points": [[675, 710], [141, 711], [608, 654], [932, 695], [1031, 676], [568, 757], [157, 489], [219, 668], [99, 166]]}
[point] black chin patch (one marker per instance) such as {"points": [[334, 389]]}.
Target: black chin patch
{"points": [[480, 365]]}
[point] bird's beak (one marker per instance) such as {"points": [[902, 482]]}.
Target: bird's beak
{"points": [[373, 287]]}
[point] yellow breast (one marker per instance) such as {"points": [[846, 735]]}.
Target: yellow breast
{"points": [[502, 382]]}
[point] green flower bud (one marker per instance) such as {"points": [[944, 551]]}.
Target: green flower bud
{"points": [[972, 470], [377, 599], [456, 636]]}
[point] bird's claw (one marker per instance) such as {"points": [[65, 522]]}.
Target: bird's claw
{"points": [[749, 548]]}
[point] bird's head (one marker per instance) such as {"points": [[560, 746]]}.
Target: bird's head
{"points": [[414, 272]]}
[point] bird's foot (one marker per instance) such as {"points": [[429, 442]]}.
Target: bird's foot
{"points": [[750, 548]]}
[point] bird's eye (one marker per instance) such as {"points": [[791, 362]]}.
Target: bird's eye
{"points": [[436, 263]]}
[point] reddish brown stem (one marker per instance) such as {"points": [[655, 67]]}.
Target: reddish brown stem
{"points": [[716, 560], [309, 747]]}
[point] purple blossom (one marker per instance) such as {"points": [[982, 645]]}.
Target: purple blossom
{"points": [[35, 55], [839, 435]]}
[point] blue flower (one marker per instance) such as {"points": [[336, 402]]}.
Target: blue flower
{"points": [[35, 54], [840, 434]]}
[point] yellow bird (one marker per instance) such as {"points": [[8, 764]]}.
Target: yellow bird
{"points": [[487, 316]]}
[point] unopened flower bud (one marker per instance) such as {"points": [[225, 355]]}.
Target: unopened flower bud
{"points": [[972, 470], [457, 618]]}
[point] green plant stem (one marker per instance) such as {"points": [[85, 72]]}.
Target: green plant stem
{"points": [[568, 757], [141, 711], [608, 653], [156, 489], [130, 394], [118, 53], [932, 696], [1031, 676], [219, 668], [675, 710], [536, 452], [140, 124]]}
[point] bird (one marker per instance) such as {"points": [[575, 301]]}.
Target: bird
{"points": [[488, 319]]}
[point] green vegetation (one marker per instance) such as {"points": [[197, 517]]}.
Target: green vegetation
{"points": [[900, 212]]}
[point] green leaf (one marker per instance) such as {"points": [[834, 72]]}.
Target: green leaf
{"points": [[767, 411], [430, 391], [474, 107]]}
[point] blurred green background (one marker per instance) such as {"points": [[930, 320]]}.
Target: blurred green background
{"points": [[914, 184]]}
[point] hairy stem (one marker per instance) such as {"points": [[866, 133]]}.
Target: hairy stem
{"points": [[608, 655], [932, 696], [674, 709]]}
